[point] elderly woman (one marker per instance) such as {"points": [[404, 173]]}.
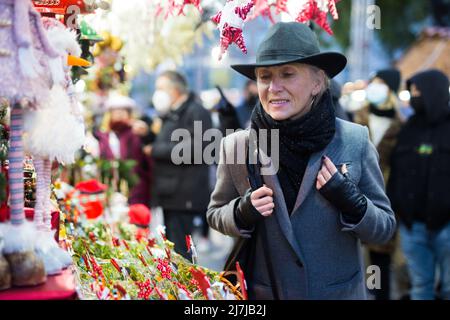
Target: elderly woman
{"points": [[300, 227]]}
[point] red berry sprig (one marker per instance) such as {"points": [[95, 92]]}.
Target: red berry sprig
{"points": [[164, 268]]}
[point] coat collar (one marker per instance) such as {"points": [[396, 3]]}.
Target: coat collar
{"points": [[282, 215], [311, 171]]}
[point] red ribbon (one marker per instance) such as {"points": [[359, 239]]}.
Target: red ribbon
{"points": [[142, 259], [242, 282], [116, 265]]}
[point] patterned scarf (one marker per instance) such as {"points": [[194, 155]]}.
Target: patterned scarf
{"points": [[299, 138]]}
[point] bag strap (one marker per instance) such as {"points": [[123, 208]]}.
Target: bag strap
{"points": [[256, 182]]}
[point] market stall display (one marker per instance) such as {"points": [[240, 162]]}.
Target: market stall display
{"points": [[84, 240]]}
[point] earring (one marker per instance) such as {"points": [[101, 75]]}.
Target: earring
{"points": [[313, 101]]}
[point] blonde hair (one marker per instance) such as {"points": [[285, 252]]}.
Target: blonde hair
{"points": [[323, 79]]}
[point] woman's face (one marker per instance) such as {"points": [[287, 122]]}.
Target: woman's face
{"points": [[120, 115], [286, 91]]}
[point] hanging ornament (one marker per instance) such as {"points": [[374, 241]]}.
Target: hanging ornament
{"points": [[262, 8], [280, 6], [195, 3], [317, 10], [176, 7], [230, 22]]}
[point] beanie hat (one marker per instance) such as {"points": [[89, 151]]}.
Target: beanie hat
{"points": [[391, 77]]}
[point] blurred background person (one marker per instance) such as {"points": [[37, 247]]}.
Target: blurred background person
{"points": [[381, 116], [335, 90], [182, 190], [145, 128], [119, 142], [352, 97], [418, 187], [228, 115], [245, 108]]}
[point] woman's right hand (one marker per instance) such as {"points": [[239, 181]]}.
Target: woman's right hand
{"points": [[262, 200]]}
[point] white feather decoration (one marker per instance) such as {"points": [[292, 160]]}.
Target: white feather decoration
{"points": [[29, 65], [64, 40], [54, 132], [19, 238], [57, 70]]}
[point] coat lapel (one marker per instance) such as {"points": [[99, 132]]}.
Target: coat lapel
{"points": [[309, 179], [281, 214], [312, 169]]}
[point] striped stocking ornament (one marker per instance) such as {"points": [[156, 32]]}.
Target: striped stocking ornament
{"points": [[40, 194], [16, 157], [47, 203]]}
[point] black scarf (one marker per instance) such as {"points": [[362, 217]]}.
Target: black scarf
{"points": [[299, 138]]}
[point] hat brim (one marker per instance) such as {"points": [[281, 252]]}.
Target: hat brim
{"points": [[330, 62]]}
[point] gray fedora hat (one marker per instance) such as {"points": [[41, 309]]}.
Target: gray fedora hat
{"points": [[288, 42]]}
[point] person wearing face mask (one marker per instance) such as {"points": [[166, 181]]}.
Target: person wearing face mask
{"points": [[381, 110], [119, 142], [181, 189], [418, 187], [382, 118]]}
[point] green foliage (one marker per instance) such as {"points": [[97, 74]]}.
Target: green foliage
{"points": [[134, 257], [122, 169], [2, 187], [400, 22], [398, 19]]}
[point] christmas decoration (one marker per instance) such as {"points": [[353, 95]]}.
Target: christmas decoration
{"points": [[5, 273], [146, 33], [26, 55], [140, 216], [317, 10], [262, 8], [230, 21], [90, 195], [136, 269], [67, 7], [235, 13], [29, 65], [267, 8], [67, 134], [176, 7]]}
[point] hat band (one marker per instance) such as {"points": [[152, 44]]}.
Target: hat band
{"points": [[281, 56]]}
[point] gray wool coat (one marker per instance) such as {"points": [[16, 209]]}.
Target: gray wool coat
{"points": [[314, 253]]}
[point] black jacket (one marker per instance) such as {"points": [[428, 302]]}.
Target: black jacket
{"points": [[181, 186], [420, 165]]}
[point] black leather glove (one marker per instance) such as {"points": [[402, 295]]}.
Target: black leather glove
{"points": [[345, 195], [246, 214]]}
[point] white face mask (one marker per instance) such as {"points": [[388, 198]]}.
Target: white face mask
{"points": [[354, 101], [162, 102], [377, 93]]}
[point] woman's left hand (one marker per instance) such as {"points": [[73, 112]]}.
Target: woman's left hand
{"points": [[341, 191], [326, 172]]}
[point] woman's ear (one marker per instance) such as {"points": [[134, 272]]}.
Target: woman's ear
{"points": [[316, 89]]}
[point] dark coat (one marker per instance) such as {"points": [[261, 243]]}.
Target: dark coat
{"points": [[130, 149], [182, 186], [420, 163], [314, 253]]}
